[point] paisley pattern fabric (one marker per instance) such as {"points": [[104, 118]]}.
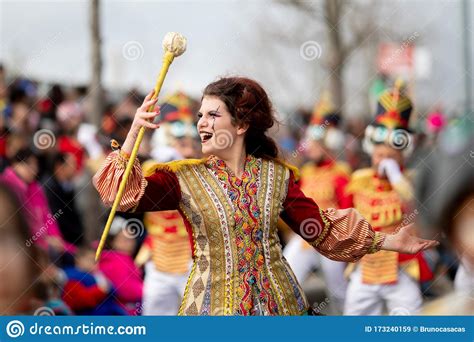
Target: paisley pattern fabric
{"points": [[254, 288]]}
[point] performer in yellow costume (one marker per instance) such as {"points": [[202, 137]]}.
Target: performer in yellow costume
{"points": [[323, 178], [383, 195]]}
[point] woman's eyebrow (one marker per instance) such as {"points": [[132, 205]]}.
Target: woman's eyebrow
{"points": [[215, 111]]}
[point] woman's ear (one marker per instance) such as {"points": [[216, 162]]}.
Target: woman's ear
{"points": [[242, 129]]}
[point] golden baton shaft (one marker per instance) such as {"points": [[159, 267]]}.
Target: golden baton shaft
{"points": [[167, 60]]}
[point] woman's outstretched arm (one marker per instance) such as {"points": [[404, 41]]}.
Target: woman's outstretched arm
{"points": [[342, 235]]}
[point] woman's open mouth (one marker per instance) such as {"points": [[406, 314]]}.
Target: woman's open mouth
{"points": [[205, 136]]}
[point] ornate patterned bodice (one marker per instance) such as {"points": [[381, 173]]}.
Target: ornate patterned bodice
{"points": [[238, 266]]}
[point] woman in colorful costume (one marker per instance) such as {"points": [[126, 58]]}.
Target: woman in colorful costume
{"points": [[231, 202]]}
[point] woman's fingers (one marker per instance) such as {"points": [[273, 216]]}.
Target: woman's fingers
{"points": [[146, 104], [432, 243], [148, 97], [144, 118], [421, 246], [149, 115], [148, 101], [427, 244], [145, 123]]}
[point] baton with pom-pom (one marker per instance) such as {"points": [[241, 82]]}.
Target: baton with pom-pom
{"points": [[174, 45]]}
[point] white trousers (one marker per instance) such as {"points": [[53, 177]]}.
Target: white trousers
{"points": [[304, 260], [464, 280], [162, 292], [402, 298]]}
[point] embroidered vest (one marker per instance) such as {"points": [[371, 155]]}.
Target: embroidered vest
{"points": [[238, 266]]}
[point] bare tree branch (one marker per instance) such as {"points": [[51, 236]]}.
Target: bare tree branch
{"points": [[311, 9]]}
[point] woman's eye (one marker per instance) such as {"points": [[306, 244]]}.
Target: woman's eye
{"points": [[212, 114]]}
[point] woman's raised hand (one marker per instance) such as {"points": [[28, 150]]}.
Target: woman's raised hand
{"points": [[143, 117]]}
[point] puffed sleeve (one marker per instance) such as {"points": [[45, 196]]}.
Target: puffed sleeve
{"points": [[342, 235], [159, 191]]}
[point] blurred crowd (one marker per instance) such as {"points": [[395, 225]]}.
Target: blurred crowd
{"points": [[52, 217]]}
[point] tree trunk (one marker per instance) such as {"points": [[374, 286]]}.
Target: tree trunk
{"points": [[336, 88], [90, 200], [332, 15], [95, 88]]}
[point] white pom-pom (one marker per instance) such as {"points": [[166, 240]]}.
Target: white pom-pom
{"points": [[174, 43]]}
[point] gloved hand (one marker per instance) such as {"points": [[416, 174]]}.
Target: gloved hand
{"points": [[390, 168]]}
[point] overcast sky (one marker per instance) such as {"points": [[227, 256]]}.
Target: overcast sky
{"points": [[49, 40]]}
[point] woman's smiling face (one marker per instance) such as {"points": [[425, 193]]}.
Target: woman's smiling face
{"points": [[215, 126]]}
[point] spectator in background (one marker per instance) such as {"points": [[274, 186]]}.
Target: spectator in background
{"points": [[3, 90], [17, 262], [126, 108], [59, 189], [446, 187], [18, 120], [457, 223], [48, 105], [20, 114], [50, 286], [70, 116], [87, 291], [21, 177], [118, 265], [121, 129]]}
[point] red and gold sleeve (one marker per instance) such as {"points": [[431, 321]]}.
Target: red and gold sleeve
{"points": [[160, 191], [342, 235]]}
